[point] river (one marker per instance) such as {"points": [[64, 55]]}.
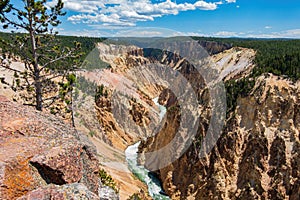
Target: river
{"points": [[153, 183]]}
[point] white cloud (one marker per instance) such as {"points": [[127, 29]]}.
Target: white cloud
{"points": [[89, 6], [202, 5], [293, 33], [128, 12], [118, 31], [140, 33], [230, 1], [112, 20], [268, 27], [225, 34]]}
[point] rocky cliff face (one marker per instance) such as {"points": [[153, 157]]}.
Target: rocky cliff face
{"points": [[214, 47], [125, 76], [257, 156], [113, 130], [142, 87], [41, 157], [54, 161]]}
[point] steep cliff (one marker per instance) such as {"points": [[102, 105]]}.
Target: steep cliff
{"points": [[41, 157], [140, 85], [103, 118], [256, 157]]}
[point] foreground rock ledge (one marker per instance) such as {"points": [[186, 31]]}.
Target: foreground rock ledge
{"points": [[40, 156]]}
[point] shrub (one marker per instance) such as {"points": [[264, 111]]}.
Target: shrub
{"points": [[107, 180]]}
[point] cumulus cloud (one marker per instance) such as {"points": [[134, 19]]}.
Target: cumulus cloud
{"points": [[89, 6], [128, 12]]}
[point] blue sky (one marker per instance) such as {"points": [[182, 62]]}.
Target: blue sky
{"points": [[220, 18]]}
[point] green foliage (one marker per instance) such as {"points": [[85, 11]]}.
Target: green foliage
{"points": [[276, 56], [100, 91], [66, 87], [173, 108], [135, 196], [16, 75], [86, 86], [35, 13], [198, 141], [71, 78], [18, 81], [279, 57], [77, 114], [107, 180], [235, 89], [37, 47], [30, 89], [52, 110], [87, 44], [68, 101], [92, 133]]}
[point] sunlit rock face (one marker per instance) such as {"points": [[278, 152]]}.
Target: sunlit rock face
{"points": [[257, 156], [39, 151], [123, 75]]}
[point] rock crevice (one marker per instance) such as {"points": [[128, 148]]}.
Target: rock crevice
{"points": [[49, 158]]}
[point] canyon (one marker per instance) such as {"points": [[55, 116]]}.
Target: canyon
{"points": [[255, 156]]}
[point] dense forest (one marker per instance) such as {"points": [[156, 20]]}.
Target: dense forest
{"points": [[87, 43], [276, 56]]}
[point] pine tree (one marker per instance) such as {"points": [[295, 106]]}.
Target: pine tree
{"points": [[36, 44]]}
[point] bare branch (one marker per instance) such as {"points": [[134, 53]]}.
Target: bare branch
{"points": [[9, 68], [28, 104], [53, 100], [49, 77], [68, 55], [14, 23]]}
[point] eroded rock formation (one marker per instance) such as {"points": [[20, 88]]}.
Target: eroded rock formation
{"points": [[257, 156], [42, 157], [122, 76]]}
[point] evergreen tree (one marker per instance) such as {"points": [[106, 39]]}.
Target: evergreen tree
{"points": [[36, 43]]}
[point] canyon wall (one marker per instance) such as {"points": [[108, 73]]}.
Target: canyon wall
{"points": [[257, 155], [230, 63]]}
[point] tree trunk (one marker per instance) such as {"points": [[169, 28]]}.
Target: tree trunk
{"points": [[36, 70], [38, 92], [72, 107]]}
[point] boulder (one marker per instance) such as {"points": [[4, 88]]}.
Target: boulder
{"points": [[76, 191], [40, 153]]}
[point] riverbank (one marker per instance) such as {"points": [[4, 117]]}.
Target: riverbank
{"points": [[154, 186]]}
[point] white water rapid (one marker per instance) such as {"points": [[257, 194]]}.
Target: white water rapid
{"points": [[154, 185]]}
